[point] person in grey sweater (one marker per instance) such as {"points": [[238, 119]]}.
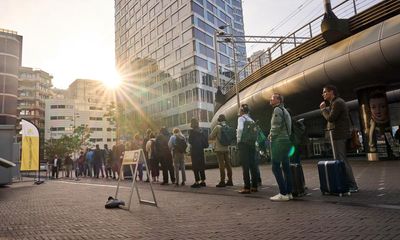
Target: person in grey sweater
{"points": [[280, 145]]}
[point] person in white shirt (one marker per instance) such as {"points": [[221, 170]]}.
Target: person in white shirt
{"points": [[56, 166], [247, 153]]}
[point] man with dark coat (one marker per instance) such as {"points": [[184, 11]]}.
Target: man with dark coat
{"points": [[97, 160], [198, 142], [163, 154], [338, 121]]}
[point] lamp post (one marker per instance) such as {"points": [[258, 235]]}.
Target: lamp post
{"points": [[235, 73], [216, 34], [230, 38]]}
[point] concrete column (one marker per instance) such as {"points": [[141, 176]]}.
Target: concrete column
{"points": [[375, 122]]}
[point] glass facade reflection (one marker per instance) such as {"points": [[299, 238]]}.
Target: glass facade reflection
{"points": [[165, 52]]}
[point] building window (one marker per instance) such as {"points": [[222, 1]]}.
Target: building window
{"points": [[95, 118]]}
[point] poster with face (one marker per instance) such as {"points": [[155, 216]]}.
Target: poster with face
{"points": [[374, 112], [379, 107], [379, 122]]}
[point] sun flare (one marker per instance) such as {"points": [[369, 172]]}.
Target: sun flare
{"points": [[112, 80]]}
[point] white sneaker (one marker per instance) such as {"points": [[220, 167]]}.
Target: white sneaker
{"points": [[290, 196], [279, 198]]}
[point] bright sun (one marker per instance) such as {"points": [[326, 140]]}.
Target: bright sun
{"points": [[112, 79]]}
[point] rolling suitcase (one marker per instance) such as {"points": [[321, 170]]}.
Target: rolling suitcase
{"points": [[332, 175], [298, 183]]}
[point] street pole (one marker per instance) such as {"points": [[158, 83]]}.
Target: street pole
{"points": [[216, 58], [235, 75]]}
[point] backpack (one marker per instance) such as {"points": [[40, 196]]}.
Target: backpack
{"points": [[250, 132], [296, 137], [228, 135], [180, 144], [298, 131]]}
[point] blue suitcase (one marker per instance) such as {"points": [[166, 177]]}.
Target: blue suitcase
{"points": [[332, 178], [332, 175]]}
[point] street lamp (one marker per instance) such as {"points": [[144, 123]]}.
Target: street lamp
{"points": [[228, 38], [216, 34]]}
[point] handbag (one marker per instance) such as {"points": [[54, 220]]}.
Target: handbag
{"points": [[354, 140]]}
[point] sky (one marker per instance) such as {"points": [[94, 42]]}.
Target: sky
{"points": [[72, 39]]}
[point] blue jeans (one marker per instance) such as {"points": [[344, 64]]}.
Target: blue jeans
{"points": [[280, 151]]}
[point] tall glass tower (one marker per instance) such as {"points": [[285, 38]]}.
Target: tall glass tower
{"points": [[10, 61], [165, 51]]}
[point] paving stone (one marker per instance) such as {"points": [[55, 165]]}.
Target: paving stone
{"points": [[68, 209]]}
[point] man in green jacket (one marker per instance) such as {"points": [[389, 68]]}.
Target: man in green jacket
{"points": [[338, 121]]}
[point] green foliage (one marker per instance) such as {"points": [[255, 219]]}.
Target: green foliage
{"points": [[67, 144]]}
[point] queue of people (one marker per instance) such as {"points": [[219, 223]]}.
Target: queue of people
{"points": [[166, 151]]}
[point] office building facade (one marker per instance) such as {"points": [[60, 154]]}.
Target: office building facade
{"points": [[33, 89], [85, 104], [165, 53]]}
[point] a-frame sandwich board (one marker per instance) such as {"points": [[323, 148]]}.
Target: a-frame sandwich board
{"points": [[131, 158]]}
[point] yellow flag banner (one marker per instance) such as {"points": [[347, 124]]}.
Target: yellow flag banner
{"points": [[30, 147]]}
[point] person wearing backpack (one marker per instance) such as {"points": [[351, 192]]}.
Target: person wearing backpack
{"points": [[280, 145], [198, 141], [221, 134], [247, 133], [177, 144]]}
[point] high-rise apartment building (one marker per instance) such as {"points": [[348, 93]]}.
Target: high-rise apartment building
{"points": [[165, 51], [85, 104], [10, 61], [33, 89]]}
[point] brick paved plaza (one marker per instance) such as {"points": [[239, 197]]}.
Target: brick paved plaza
{"points": [[68, 209]]}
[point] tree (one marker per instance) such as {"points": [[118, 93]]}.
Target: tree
{"points": [[67, 144]]}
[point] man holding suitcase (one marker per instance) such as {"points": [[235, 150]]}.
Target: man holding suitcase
{"points": [[335, 111]]}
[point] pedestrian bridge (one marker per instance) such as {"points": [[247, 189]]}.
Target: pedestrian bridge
{"points": [[369, 56]]}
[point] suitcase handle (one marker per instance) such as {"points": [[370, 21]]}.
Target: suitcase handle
{"points": [[333, 146]]}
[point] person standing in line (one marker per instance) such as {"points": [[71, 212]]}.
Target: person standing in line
{"points": [[146, 154], [198, 142], [118, 149], [89, 162], [136, 145], [68, 165], [81, 164], [164, 156], [247, 153], [107, 156], [338, 121], [281, 127], [222, 153], [177, 145], [152, 157], [56, 166], [97, 161]]}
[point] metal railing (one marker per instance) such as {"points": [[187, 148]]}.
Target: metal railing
{"points": [[346, 9], [8, 31]]}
